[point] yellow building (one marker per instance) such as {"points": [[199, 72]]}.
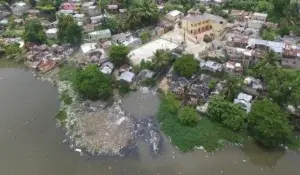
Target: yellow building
{"points": [[195, 24]]}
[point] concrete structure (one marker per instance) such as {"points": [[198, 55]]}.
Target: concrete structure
{"points": [[194, 24], [19, 8], [244, 100], [80, 18], [52, 33], [146, 51], [85, 7], [65, 12], [255, 24], [218, 23], [291, 56], [98, 35], [107, 68], [94, 11], [127, 76], [87, 47], [174, 15], [211, 66], [126, 39], [233, 67], [265, 45], [96, 19], [259, 16]]}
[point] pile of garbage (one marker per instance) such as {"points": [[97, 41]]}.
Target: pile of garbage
{"points": [[102, 130]]}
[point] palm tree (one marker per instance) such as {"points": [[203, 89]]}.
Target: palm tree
{"points": [[232, 87], [160, 59], [270, 61]]}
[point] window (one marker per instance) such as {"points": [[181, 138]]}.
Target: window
{"points": [[294, 62]]}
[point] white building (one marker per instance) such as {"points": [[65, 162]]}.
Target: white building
{"points": [[244, 100], [19, 8], [52, 33], [174, 15], [85, 7], [98, 35], [80, 18]]}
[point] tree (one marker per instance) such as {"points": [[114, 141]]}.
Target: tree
{"points": [[145, 37], [230, 115], [12, 50], [187, 65], [92, 84], [11, 23], [118, 54], [103, 4], [269, 34], [271, 60], [268, 123], [232, 87], [160, 59], [124, 87], [188, 116], [34, 32], [142, 12], [69, 31]]}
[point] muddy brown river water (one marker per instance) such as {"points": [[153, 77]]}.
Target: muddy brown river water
{"points": [[31, 144]]}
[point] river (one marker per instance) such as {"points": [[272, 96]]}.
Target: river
{"points": [[31, 144]]}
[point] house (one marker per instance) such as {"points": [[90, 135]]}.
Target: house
{"points": [[259, 16], [211, 66], [52, 33], [126, 39], [291, 56], [174, 15], [253, 83], [255, 24], [19, 8], [218, 23], [113, 7], [85, 7], [145, 74], [97, 19], [81, 18], [244, 100], [127, 76], [107, 68], [240, 15], [277, 47], [99, 35], [64, 12], [94, 11], [233, 67], [195, 24], [87, 47], [68, 6]]}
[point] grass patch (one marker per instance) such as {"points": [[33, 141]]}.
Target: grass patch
{"points": [[12, 33], [66, 98], [68, 73], [61, 116], [205, 133]]}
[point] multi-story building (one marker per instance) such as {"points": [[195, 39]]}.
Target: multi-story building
{"points": [[195, 24]]}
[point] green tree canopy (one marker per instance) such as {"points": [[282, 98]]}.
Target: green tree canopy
{"points": [[93, 84], [232, 87], [69, 31], [268, 123], [160, 59], [34, 32], [187, 65], [118, 54], [188, 116], [230, 115]]}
